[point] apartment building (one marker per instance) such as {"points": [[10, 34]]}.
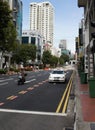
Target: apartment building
{"points": [[88, 35], [42, 19]]}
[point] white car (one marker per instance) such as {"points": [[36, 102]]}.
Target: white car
{"points": [[57, 76]]}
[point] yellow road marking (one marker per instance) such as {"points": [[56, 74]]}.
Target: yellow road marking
{"points": [[36, 85], [11, 97], [65, 104], [30, 88], [1, 103], [63, 97], [22, 92]]}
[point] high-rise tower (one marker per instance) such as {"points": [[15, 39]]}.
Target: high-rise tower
{"points": [[41, 19]]}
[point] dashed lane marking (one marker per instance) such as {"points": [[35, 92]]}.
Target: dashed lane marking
{"points": [[40, 83], [23, 92], [30, 88], [30, 81], [6, 80], [11, 97], [3, 83], [36, 85], [1, 103]]}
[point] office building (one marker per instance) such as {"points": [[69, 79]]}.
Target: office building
{"points": [[41, 19], [34, 38], [16, 7], [63, 44]]}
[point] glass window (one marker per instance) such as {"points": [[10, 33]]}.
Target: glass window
{"points": [[25, 40], [33, 40]]}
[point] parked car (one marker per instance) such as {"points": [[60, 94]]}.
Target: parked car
{"points": [[57, 76]]}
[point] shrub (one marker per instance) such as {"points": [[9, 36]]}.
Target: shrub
{"points": [[3, 71]]}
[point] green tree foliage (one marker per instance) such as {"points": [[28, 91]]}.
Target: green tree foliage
{"points": [[7, 29], [54, 61], [61, 61], [24, 52], [64, 57], [46, 59]]}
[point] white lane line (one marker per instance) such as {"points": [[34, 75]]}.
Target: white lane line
{"points": [[3, 83], [6, 80], [30, 81], [33, 112]]}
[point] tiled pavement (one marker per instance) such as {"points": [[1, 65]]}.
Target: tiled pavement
{"points": [[87, 106]]}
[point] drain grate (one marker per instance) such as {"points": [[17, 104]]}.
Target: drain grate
{"points": [[92, 125]]}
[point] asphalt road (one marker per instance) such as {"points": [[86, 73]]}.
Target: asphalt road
{"points": [[33, 105]]}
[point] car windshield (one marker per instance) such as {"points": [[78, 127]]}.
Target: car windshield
{"points": [[57, 72]]}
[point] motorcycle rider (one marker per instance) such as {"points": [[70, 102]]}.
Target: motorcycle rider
{"points": [[21, 76]]}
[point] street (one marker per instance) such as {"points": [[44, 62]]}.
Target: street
{"points": [[37, 97]]}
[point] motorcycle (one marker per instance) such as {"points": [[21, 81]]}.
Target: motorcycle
{"points": [[21, 80]]}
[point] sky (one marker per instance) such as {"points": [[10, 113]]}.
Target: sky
{"points": [[67, 17]]}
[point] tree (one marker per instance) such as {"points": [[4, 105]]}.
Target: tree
{"points": [[54, 61], [46, 59], [23, 53], [7, 29], [65, 57]]}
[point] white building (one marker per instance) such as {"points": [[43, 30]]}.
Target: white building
{"points": [[56, 51], [34, 38], [41, 19]]}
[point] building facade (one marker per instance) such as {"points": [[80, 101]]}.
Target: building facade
{"points": [[63, 44], [16, 7], [34, 38], [88, 35], [63, 47], [41, 19]]}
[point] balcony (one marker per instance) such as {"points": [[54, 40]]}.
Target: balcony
{"points": [[82, 3]]}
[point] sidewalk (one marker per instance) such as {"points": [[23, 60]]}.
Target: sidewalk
{"points": [[85, 107]]}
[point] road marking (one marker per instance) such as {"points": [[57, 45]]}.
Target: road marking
{"points": [[3, 83], [36, 85], [64, 95], [22, 92], [30, 88], [30, 81], [1, 103], [6, 80], [33, 112], [40, 83], [11, 97]]}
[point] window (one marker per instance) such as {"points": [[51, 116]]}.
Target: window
{"points": [[25, 40]]}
